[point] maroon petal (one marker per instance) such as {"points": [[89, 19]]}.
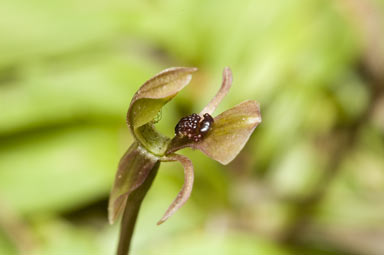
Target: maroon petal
{"points": [[156, 92], [230, 132], [186, 190], [225, 86], [148, 101], [134, 168]]}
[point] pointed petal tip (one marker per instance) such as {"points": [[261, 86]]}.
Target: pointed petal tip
{"points": [[227, 73], [112, 215], [161, 221], [185, 191], [224, 89]]}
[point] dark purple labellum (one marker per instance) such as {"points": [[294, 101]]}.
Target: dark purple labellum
{"points": [[193, 127], [206, 124]]}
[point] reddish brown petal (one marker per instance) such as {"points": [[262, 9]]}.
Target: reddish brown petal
{"points": [[134, 168], [156, 92], [186, 190], [230, 132], [225, 86]]}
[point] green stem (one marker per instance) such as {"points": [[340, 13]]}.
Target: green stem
{"points": [[132, 210]]}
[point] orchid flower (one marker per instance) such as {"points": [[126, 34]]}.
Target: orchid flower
{"points": [[220, 138]]}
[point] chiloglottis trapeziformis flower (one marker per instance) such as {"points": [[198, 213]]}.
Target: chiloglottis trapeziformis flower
{"points": [[220, 138]]}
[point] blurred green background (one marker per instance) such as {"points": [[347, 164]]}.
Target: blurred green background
{"points": [[309, 181]]}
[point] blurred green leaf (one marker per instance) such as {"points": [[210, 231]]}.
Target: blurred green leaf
{"points": [[58, 170]]}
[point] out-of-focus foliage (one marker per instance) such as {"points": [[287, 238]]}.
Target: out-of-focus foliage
{"points": [[311, 179]]}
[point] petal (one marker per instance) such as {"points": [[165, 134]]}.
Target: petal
{"points": [[230, 132], [225, 86], [133, 170], [156, 92], [149, 100], [186, 190]]}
